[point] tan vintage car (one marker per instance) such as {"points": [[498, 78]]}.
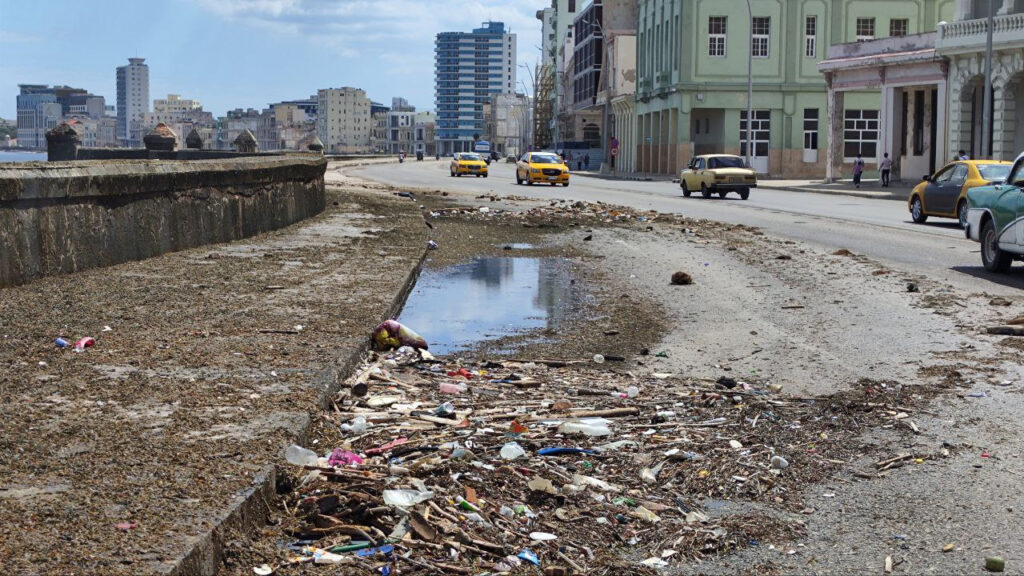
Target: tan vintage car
{"points": [[717, 173]]}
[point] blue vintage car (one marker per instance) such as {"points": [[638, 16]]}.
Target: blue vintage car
{"points": [[995, 217]]}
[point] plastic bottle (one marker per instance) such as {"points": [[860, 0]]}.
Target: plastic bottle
{"points": [[632, 392], [466, 504], [356, 426], [512, 451], [445, 410], [299, 456], [591, 428], [451, 388], [61, 343], [84, 343]]}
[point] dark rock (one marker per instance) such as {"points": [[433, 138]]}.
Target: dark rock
{"points": [[726, 382], [681, 278]]}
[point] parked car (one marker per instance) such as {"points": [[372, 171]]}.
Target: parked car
{"points": [[944, 194], [542, 167], [721, 173], [468, 163], [995, 217]]}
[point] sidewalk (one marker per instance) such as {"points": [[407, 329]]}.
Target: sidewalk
{"points": [[868, 189], [138, 454]]}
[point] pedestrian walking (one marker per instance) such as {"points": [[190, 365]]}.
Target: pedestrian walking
{"points": [[858, 169], [963, 156], [886, 167], [586, 161]]}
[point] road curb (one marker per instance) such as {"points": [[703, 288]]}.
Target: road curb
{"points": [[205, 554]]}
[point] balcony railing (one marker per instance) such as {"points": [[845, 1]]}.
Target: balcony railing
{"points": [[1006, 29]]}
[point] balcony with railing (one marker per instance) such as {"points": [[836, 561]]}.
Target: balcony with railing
{"points": [[969, 35]]}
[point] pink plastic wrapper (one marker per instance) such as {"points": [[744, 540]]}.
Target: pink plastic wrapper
{"points": [[393, 334], [344, 459]]}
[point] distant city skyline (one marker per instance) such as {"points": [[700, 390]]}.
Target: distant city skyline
{"points": [[244, 53]]}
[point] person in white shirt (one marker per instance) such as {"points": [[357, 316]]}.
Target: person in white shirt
{"points": [[963, 156], [886, 168]]}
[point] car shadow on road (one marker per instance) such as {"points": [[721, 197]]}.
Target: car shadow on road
{"points": [[951, 225], [1014, 278]]}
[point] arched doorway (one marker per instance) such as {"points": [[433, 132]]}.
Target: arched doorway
{"points": [[972, 107]]}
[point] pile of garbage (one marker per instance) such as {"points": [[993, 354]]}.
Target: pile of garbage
{"points": [[448, 466], [594, 212]]}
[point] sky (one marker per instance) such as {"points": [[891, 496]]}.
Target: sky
{"points": [[245, 53]]}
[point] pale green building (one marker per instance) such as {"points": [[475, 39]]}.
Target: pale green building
{"points": [[691, 91]]}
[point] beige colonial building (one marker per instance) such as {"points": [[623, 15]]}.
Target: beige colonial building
{"points": [[962, 42], [343, 119]]}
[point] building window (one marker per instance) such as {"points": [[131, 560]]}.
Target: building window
{"points": [[716, 35], [810, 128], [760, 130], [865, 29], [860, 134], [760, 33], [898, 26], [811, 37]]}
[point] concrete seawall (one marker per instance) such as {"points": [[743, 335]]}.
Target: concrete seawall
{"points": [[69, 216]]}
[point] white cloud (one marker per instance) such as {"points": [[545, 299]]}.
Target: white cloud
{"points": [[11, 37], [397, 31]]}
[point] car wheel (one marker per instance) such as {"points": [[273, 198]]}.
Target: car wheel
{"points": [[722, 194], [744, 193], [519, 181], [686, 191], [994, 259], [554, 183], [961, 212], [529, 182], [917, 210], [704, 190]]}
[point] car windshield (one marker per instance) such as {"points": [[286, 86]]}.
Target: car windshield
{"points": [[726, 162], [469, 157], [545, 159], [994, 172]]}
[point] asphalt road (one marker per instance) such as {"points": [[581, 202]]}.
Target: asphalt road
{"points": [[879, 229]]}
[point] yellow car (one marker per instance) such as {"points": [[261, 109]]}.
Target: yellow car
{"points": [[721, 173], [542, 167], [468, 163], [944, 193]]}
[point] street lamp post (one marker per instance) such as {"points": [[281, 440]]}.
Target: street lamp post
{"points": [[986, 115], [750, 84]]}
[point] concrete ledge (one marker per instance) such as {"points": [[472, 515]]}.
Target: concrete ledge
{"points": [[69, 216]]}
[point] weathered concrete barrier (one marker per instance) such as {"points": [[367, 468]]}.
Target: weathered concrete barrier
{"points": [[60, 217]]}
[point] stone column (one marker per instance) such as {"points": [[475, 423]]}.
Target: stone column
{"points": [[62, 143], [834, 154], [941, 125]]}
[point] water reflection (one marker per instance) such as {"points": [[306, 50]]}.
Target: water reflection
{"points": [[488, 298]]}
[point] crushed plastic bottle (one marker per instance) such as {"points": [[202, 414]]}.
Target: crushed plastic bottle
{"points": [[299, 456], [587, 426], [451, 388], [406, 498], [84, 343], [446, 410], [356, 426], [512, 451]]}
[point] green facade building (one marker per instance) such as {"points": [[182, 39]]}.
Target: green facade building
{"points": [[692, 63]]}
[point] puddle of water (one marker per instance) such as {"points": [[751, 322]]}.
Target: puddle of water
{"points": [[518, 246], [489, 298]]}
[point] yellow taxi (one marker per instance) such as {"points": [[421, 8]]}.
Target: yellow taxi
{"points": [[944, 193], [717, 173], [468, 163], [542, 167]]}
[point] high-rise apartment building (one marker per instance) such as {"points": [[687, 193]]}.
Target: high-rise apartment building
{"points": [[41, 107], [132, 100], [343, 119], [469, 68]]}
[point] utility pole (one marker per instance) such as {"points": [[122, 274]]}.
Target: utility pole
{"points": [[986, 116], [750, 85]]}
